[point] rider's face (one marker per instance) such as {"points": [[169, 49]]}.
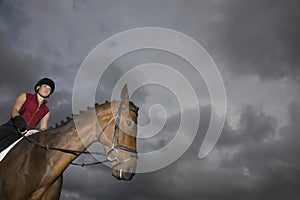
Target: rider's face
{"points": [[45, 90]]}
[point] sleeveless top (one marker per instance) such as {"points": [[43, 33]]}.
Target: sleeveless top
{"points": [[31, 112]]}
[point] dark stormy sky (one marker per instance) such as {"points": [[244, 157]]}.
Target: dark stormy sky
{"points": [[254, 43]]}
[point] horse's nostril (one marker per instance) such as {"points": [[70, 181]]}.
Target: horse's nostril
{"points": [[124, 175], [127, 176]]}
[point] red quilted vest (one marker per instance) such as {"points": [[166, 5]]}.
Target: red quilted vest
{"points": [[31, 112]]}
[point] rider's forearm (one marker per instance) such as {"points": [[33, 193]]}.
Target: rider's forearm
{"points": [[13, 113]]}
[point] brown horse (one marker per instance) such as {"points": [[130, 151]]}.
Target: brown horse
{"points": [[33, 168]]}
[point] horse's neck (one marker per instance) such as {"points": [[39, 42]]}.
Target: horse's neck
{"points": [[76, 135], [82, 131]]}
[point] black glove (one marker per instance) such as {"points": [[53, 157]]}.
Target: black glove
{"points": [[20, 123]]}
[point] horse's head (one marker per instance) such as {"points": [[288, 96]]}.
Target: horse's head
{"points": [[119, 137]]}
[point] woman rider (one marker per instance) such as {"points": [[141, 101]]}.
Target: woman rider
{"points": [[27, 111]]}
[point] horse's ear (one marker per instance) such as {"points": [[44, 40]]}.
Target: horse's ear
{"points": [[124, 93]]}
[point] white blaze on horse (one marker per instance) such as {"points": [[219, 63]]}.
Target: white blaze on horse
{"points": [[33, 168]]}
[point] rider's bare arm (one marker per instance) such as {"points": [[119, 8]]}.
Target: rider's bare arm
{"points": [[17, 105], [44, 122]]}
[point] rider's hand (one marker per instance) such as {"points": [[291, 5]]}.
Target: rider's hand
{"points": [[20, 123]]}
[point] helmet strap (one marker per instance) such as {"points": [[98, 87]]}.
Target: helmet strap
{"points": [[42, 95]]}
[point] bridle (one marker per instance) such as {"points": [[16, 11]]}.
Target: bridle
{"points": [[114, 148]]}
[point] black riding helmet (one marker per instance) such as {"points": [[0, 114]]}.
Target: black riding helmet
{"points": [[46, 81]]}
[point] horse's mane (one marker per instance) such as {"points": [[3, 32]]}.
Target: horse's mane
{"points": [[72, 116]]}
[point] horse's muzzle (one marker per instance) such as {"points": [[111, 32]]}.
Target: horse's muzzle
{"points": [[122, 175]]}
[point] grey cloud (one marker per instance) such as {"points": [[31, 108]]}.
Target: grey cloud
{"points": [[16, 72], [271, 162], [260, 38]]}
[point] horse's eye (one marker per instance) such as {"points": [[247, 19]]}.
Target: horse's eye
{"points": [[129, 122]]}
